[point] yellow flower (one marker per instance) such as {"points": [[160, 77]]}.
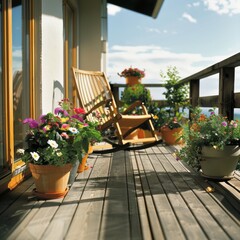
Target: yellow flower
{"points": [[64, 119], [155, 117]]}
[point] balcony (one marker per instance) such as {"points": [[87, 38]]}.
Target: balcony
{"points": [[144, 194]]}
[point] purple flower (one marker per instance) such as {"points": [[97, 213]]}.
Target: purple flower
{"points": [[31, 122], [61, 111], [78, 118], [224, 124], [212, 113], [42, 118]]}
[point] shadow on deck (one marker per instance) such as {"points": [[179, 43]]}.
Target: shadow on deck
{"points": [[144, 194]]}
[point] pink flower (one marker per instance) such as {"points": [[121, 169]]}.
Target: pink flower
{"points": [[65, 126], [65, 135], [224, 124]]}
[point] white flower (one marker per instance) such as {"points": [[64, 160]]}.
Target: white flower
{"points": [[52, 143], [35, 156], [59, 154], [20, 151], [73, 130]]}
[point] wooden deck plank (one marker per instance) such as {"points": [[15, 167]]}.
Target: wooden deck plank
{"points": [[143, 215], [87, 218], [40, 221], [155, 225], [59, 225], [223, 224], [184, 215], [134, 218], [13, 217], [115, 220], [143, 194], [12, 196]]}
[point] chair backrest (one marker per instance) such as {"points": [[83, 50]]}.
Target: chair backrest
{"points": [[94, 94]]}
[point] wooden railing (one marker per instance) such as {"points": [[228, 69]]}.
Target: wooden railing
{"points": [[225, 101]]}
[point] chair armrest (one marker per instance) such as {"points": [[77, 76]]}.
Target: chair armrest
{"points": [[104, 103], [132, 106]]}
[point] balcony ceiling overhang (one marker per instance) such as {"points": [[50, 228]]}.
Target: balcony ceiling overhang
{"points": [[147, 7]]}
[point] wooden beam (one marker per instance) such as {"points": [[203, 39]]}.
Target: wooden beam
{"points": [[194, 92], [226, 92]]}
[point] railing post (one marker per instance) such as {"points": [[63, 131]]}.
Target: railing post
{"points": [[194, 92], [226, 92], [115, 92]]}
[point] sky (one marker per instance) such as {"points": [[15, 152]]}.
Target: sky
{"points": [[190, 35]]}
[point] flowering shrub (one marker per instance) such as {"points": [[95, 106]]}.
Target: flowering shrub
{"points": [[134, 72], [60, 137], [215, 131]]}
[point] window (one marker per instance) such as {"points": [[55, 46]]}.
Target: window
{"points": [[20, 72], [15, 81], [1, 96]]}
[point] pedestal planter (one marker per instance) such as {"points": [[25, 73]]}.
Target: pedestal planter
{"points": [[50, 181], [171, 136], [219, 164], [130, 81]]}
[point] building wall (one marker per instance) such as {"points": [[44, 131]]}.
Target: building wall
{"points": [[52, 55], [90, 47]]}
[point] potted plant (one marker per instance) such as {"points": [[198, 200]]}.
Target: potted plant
{"points": [[132, 75], [212, 144], [130, 94], [159, 116], [176, 100], [55, 142]]}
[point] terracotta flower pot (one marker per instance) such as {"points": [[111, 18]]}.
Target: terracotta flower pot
{"points": [[50, 181], [131, 80], [132, 135], [171, 136], [219, 164], [82, 166]]}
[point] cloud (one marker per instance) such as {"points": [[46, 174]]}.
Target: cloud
{"points": [[113, 10], [154, 30], [195, 4], [189, 18], [229, 7], [154, 59]]}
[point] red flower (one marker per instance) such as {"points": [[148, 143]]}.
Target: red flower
{"points": [[79, 111]]}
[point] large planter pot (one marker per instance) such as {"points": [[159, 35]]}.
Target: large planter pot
{"points": [[133, 80], [171, 136], [219, 164], [50, 181]]}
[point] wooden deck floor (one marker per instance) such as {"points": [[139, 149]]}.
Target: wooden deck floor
{"points": [[145, 194]]}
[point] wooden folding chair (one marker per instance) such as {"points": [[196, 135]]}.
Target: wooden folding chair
{"points": [[95, 97]]}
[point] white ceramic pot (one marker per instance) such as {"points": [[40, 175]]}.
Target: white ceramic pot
{"points": [[219, 164]]}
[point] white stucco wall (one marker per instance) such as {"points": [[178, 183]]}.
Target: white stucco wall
{"points": [[52, 54], [90, 47]]}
